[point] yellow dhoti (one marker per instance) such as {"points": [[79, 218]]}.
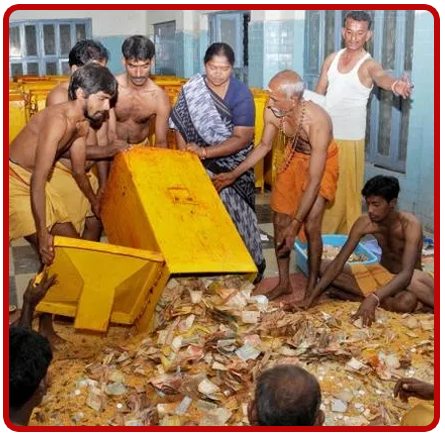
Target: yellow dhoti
{"points": [[65, 202], [146, 142], [420, 415], [347, 207]]}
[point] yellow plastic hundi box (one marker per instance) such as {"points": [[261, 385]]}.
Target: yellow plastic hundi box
{"points": [[99, 282], [163, 200]]}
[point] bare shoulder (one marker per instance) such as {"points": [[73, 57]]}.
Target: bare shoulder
{"points": [[370, 64], [59, 94], [120, 78], [317, 117], [364, 226], [122, 84], [159, 96], [410, 222], [269, 118], [328, 61]]}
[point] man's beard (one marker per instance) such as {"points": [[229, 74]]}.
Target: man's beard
{"points": [[95, 122]]}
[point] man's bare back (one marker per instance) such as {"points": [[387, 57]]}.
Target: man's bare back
{"points": [[136, 107]]}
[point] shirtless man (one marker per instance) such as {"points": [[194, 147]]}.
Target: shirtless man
{"points": [[396, 284], [98, 147], [82, 53], [139, 98], [306, 180], [42, 201]]}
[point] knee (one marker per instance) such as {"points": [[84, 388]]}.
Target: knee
{"points": [[324, 265], [404, 302], [313, 229]]}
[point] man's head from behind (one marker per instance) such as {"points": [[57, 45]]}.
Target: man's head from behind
{"points": [[286, 395], [29, 358], [285, 91], [138, 53], [85, 51], [381, 193], [96, 86]]}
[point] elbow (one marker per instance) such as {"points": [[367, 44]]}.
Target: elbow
{"points": [[314, 186], [78, 175]]}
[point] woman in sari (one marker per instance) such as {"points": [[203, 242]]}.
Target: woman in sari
{"points": [[214, 117]]}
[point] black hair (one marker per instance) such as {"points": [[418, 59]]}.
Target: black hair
{"points": [[358, 16], [87, 50], [29, 358], [92, 78], [138, 48], [220, 49], [384, 186], [287, 395]]}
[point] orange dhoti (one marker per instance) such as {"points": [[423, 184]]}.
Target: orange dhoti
{"points": [[291, 184], [370, 277]]}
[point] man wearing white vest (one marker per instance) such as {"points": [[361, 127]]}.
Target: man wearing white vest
{"points": [[347, 78]]}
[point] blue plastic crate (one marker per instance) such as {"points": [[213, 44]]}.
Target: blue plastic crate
{"points": [[332, 240]]}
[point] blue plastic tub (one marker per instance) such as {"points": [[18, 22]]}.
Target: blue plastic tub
{"points": [[332, 240]]}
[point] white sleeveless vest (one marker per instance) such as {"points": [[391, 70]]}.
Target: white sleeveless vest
{"points": [[346, 100]]}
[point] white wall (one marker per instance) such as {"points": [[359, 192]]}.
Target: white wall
{"points": [[105, 23]]}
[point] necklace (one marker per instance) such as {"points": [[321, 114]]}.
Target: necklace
{"points": [[290, 148]]}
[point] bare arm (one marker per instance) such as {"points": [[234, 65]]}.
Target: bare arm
{"points": [[77, 155], [336, 266], [323, 82], [383, 80], [411, 387], [111, 124], [259, 152], [35, 292], [401, 281], [366, 311], [319, 138], [102, 165], [162, 114], [49, 137], [180, 142], [242, 136]]}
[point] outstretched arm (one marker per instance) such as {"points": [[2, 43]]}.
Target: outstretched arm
{"points": [[406, 388], [223, 180], [336, 266], [382, 79]]}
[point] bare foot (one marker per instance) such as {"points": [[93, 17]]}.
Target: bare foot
{"points": [[47, 330], [279, 290]]}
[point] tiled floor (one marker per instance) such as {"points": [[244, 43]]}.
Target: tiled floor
{"points": [[24, 264]]}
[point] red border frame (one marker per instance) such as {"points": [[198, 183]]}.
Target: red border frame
{"points": [[428, 8]]}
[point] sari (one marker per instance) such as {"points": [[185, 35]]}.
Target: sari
{"points": [[202, 117]]}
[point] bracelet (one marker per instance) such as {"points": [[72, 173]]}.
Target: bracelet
{"points": [[298, 220], [378, 299], [204, 153], [393, 86]]}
